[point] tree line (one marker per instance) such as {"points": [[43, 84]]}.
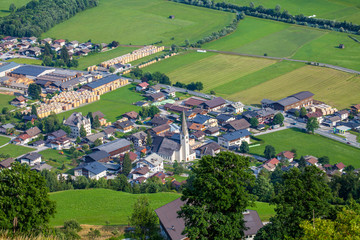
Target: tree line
{"points": [[37, 17], [52, 59], [277, 15]]}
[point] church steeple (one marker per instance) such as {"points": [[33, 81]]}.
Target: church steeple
{"points": [[184, 125]]}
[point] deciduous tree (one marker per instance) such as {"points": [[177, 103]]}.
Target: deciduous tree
{"points": [[269, 152]]}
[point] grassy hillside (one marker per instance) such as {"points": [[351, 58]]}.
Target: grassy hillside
{"points": [[141, 22], [307, 144], [112, 104], [96, 206], [5, 4], [331, 9]]}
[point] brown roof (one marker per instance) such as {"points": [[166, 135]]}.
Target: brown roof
{"points": [[132, 115], [314, 114], [194, 101], [198, 134], [269, 166], [33, 131], [6, 163], [99, 114], [238, 124], [109, 130], [196, 126], [312, 160], [20, 98], [23, 136], [142, 170], [357, 106], [215, 102], [287, 154], [161, 128], [273, 161]]}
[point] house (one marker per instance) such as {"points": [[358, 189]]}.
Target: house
{"points": [[31, 158], [154, 162], [203, 119], [234, 139], [109, 132], [6, 127], [132, 156], [61, 42], [124, 126], [156, 97], [355, 108], [317, 115], [211, 149], [225, 118], [141, 172], [161, 176], [38, 167], [154, 89], [75, 122], [100, 116], [235, 108], [331, 121], [194, 102], [30, 118], [97, 156], [60, 143], [46, 40], [172, 226], [212, 131], [22, 139], [141, 104], [56, 47], [116, 147], [286, 155], [264, 115], [93, 137], [268, 166], [138, 139], [33, 132], [159, 120], [141, 86], [57, 134], [311, 160], [237, 125], [169, 92], [343, 114], [74, 44], [198, 135], [6, 163], [273, 161], [131, 115], [340, 166], [92, 170], [214, 104], [197, 127], [39, 143], [19, 102], [160, 130], [175, 108]]}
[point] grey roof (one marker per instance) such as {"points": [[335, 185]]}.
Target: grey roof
{"points": [[215, 102], [111, 166], [30, 70], [287, 101], [165, 146], [201, 118], [93, 167], [267, 101], [114, 145], [109, 130], [93, 137], [266, 112], [103, 81], [252, 222], [238, 124], [31, 156], [302, 95], [98, 155], [41, 166], [125, 124], [8, 126], [236, 135], [138, 135], [70, 83], [58, 133], [76, 118], [224, 117], [209, 149], [155, 96], [7, 162], [7, 66]]}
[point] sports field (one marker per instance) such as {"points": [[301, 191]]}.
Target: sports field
{"points": [[141, 22], [112, 104], [96, 206], [307, 144], [330, 9]]}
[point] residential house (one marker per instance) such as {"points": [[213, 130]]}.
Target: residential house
{"points": [[169, 92], [154, 89], [153, 162], [343, 114], [211, 149], [225, 118], [100, 116], [141, 172], [331, 121], [237, 125], [355, 108], [60, 143], [19, 102], [194, 102], [212, 131], [33, 132], [214, 104], [197, 127], [109, 132], [97, 156], [93, 137], [46, 40], [175, 108], [131, 115], [38, 167], [30, 118], [273, 161], [156, 97], [235, 108], [161, 130], [161, 176], [6, 127], [116, 147], [57, 134], [7, 163], [124, 126], [132, 156], [286, 155], [264, 115], [22, 139], [75, 122], [317, 115], [92, 170], [340, 166], [31, 158], [60, 42], [198, 135], [138, 139], [172, 226], [268, 166], [142, 86], [311, 160], [39, 143], [234, 139], [205, 120], [159, 120]]}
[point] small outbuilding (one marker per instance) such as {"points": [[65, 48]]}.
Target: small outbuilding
{"points": [[171, 16]]}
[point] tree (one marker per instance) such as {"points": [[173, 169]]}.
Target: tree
{"points": [[148, 139], [85, 147], [212, 92], [324, 160], [216, 197], [114, 44], [33, 110], [297, 113], [24, 200], [303, 195], [34, 91], [303, 112], [254, 122], [263, 189], [5, 110], [78, 140], [269, 152], [174, 48], [312, 124], [187, 43], [126, 168], [244, 147], [97, 142], [144, 219], [82, 131], [178, 168], [96, 123], [12, 8], [111, 69], [64, 55], [349, 168], [278, 119]]}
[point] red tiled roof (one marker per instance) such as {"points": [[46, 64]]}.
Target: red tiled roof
{"points": [[340, 165], [287, 154], [273, 161], [143, 84], [24, 136]]}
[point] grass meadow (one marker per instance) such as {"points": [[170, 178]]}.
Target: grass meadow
{"points": [[26, 61], [15, 150], [4, 101], [141, 22], [5, 4], [97, 206], [56, 160], [112, 104], [4, 140], [307, 144]]}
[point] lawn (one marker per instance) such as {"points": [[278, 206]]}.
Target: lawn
{"points": [[5, 4], [328, 85], [96, 58], [96, 206], [15, 150], [330, 9], [307, 144], [4, 140], [141, 22], [26, 61], [4, 101], [55, 159], [112, 104]]}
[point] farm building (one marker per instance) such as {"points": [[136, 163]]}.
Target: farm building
{"points": [[31, 72], [5, 68], [106, 84], [297, 100]]}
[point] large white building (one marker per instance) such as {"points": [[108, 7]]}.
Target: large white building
{"points": [[75, 121]]}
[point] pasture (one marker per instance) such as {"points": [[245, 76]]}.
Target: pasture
{"points": [[15, 150], [97, 206], [5, 101], [57, 160], [112, 104], [141, 22], [307, 144], [4, 140], [26, 61], [330, 9], [5, 4]]}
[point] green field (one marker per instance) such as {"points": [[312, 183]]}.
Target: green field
{"points": [[15, 150], [4, 101], [96, 58], [330, 9], [307, 144], [96, 206], [5, 4], [55, 159], [141, 22], [26, 61], [112, 104], [4, 140]]}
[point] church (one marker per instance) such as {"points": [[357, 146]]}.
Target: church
{"points": [[176, 148]]}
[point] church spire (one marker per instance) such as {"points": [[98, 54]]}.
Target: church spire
{"points": [[184, 125]]}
